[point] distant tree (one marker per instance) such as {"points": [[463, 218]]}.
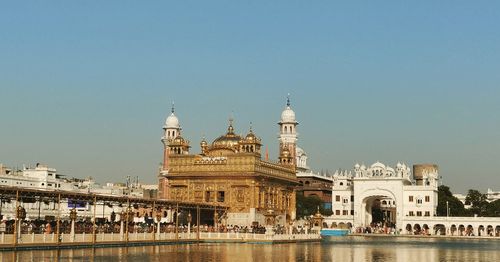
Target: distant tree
{"points": [[478, 202], [307, 206], [493, 209], [456, 207]]}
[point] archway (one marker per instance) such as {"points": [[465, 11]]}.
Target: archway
{"points": [[417, 229], [461, 230], [453, 230], [497, 231], [408, 228], [489, 230], [469, 231], [480, 230], [364, 203], [425, 228], [440, 230], [378, 212]]}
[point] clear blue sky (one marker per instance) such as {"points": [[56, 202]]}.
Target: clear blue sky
{"points": [[86, 85]]}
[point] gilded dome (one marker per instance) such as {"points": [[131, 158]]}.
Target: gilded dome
{"points": [[251, 137], [179, 140], [229, 140]]}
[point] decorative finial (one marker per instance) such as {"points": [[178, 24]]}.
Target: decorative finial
{"points": [[230, 128], [288, 100], [173, 107], [251, 131]]}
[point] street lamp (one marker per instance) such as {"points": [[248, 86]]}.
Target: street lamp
{"points": [[21, 215], [158, 221], [73, 216], [447, 210], [189, 219]]}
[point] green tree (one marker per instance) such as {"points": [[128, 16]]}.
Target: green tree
{"points": [[493, 209], [456, 207], [478, 202], [307, 206]]}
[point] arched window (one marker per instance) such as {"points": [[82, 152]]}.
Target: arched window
{"points": [[169, 133], [291, 129], [286, 129]]}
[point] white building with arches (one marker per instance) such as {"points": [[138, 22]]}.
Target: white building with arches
{"points": [[398, 198]]}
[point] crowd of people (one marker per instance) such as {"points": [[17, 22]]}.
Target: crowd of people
{"points": [[40, 226]]}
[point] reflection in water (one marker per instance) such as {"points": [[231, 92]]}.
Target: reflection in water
{"points": [[344, 249]]}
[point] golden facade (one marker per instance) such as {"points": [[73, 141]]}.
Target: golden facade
{"points": [[230, 172]]}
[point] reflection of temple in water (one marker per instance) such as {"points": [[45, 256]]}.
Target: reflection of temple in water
{"points": [[364, 249]]}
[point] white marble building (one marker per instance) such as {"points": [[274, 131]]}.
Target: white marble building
{"points": [[42, 177], [406, 200], [391, 190]]}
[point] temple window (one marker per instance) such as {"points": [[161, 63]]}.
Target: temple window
{"points": [[220, 196], [208, 196]]}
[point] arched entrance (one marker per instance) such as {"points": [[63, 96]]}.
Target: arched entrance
{"points": [[379, 210], [461, 230], [439, 229], [453, 230]]}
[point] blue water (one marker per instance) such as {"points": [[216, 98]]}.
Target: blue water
{"points": [[345, 249]]}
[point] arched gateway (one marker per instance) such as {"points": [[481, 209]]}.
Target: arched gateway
{"points": [[377, 206], [382, 195]]}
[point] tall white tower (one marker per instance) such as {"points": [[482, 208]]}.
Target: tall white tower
{"points": [[288, 136], [171, 130]]}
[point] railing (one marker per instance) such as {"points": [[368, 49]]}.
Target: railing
{"points": [[32, 238]]}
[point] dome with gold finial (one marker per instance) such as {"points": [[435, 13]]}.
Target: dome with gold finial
{"points": [[229, 140], [251, 137], [179, 140], [203, 142]]}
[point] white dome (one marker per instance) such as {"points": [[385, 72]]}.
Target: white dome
{"points": [[288, 116], [299, 151], [379, 165], [172, 121]]}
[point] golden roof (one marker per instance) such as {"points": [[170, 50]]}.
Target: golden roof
{"points": [[229, 140]]}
